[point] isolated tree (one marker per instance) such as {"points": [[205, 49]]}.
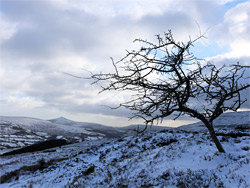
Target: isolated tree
{"points": [[165, 78]]}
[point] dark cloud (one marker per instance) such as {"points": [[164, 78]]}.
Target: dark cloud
{"points": [[43, 29]]}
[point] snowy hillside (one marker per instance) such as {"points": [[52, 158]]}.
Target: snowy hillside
{"points": [[64, 121], [17, 132], [170, 158], [226, 120], [165, 158]]}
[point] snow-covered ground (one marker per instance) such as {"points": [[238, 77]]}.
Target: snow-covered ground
{"points": [[170, 158]]}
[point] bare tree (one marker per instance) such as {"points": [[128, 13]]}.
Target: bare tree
{"points": [[165, 78]]}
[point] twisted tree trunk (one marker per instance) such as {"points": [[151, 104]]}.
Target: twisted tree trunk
{"points": [[214, 137]]}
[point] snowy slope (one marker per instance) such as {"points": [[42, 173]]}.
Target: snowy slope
{"points": [[134, 129], [64, 121], [86, 125], [226, 120], [170, 158]]}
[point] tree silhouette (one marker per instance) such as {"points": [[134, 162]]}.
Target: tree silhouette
{"points": [[165, 78]]}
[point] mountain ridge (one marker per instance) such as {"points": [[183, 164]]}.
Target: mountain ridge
{"points": [[228, 119], [18, 132]]}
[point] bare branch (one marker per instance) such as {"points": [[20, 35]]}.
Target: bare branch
{"points": [[168, 79]]}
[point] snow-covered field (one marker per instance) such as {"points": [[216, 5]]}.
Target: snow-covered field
{"points": [[170, 158]]}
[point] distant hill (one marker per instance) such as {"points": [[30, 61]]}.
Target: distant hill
{"points": [[226, 120], [18, 132], [132, 129], [64, 121]]}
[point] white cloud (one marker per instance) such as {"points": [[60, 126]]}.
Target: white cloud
{"points": [[240, 48], [234, 33], [8, 29], [235, 29], [112, 8], [226, 1], [237, 20], [22, 102]]}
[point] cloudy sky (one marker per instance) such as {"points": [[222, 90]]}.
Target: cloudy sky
{"points": [[40, 40]]}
